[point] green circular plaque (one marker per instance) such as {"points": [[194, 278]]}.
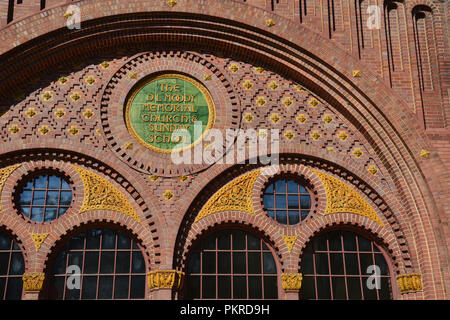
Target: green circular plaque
{"points": [[166, 103]]}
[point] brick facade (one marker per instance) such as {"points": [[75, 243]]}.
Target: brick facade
{"points": [[394, 111]]}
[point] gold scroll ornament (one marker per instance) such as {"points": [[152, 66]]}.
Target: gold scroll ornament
{"points": [[409, 282], [99, 194], [341, 198], [4, 174], [235, 195]]}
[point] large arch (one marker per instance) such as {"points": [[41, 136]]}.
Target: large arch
{"points": [[379, 114]]}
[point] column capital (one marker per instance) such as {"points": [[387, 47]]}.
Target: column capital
{"points": [[33, 281], [165, 279], [291, 281], [410, 282]]}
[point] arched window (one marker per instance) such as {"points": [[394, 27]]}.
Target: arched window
{"points": [[336, 265], [111, 266], [12, 267], [231, 264], [287, 201], [44, 197]]}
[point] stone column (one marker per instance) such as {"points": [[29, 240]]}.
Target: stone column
{"points": [[32, 285], [162, 283], [291, 283]]}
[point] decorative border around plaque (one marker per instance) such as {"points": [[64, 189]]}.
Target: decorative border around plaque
{"points": [[164, 103]]}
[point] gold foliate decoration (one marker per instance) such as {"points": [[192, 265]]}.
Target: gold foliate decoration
{"points": [[168, 194], [291, 281], [342, 136], [298, 88], [132, 75], [104, 64], [270, 23], [234, 68], [153, 178], [99, 194], [62, 80], [47, 95], [4, 174], [357, 153], [235, 195], [14, 129], [315, 135], [287, 102], [289, 134], [273, 85], [342, 199], [262, 133], [248, 117], [33, 281], [331, 149], [31, 112], [44, 130], [90, 80], [75, 96], [259, 70], [425, 154], [313, 102], [38, 239], [98, 132], [261, 101], [73, 130], [172, 3], [59, 113], [327, 118], [183, 178], [247, 84], [274, 118], [88, 113], [207, 77], [372, 170], [290, 241], [356, 73], [68, 14], [165, 279], [301, 118], [411, 282], [129, 145]]}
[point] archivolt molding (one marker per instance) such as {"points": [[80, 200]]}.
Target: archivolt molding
{"points": [[99, 194]]}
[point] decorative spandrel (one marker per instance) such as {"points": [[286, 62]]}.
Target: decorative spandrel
{"points": [[341, 198], [235, 195], [99, 194]]}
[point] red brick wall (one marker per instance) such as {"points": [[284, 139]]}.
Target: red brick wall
{"points": [[388, 112]]}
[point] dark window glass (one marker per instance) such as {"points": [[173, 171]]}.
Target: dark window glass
{"points": [[44, 198], [334, 266], [235, 270], [287, 201], [111, 264], [12, 267]]}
